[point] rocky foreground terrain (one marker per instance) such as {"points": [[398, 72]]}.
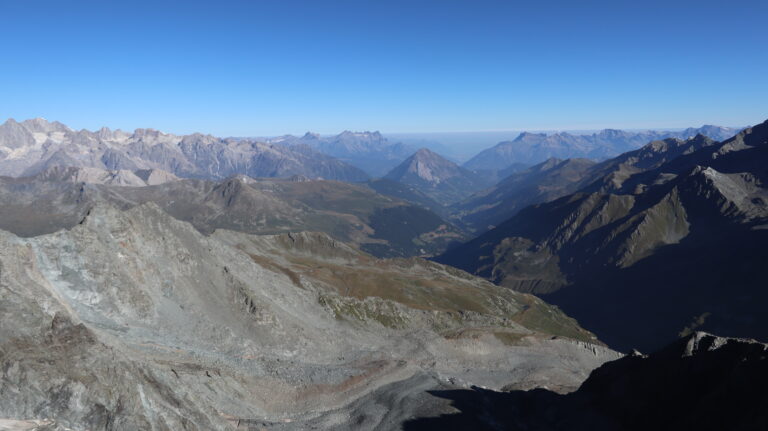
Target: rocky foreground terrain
{"points": [[136, 320], [700, 382]]}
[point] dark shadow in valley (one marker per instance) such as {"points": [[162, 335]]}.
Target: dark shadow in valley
{"points": [[713, 280], [700, 382]]}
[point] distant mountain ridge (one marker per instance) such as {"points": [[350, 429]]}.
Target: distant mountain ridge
{"points": [[139, 178], [369, 151], [531, 148], [437, 177], [539, 183], [32, 146], [555, 178], [60, 197]]}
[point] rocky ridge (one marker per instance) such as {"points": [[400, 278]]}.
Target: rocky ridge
{"points": [[352, 213], [33, 146], [369, 151], [555, 178], [533, 148], [132, 319]]}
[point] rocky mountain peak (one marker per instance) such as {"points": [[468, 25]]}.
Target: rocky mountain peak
{"points": [[146, 133], [529, 135], [426, 153], [430, 166], [427, 170], [611, 133], [29, 148], [700, 342]]}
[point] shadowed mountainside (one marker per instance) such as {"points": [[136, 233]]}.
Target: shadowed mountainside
{"points": [[701, 382], [640, 258], [555, 178]]}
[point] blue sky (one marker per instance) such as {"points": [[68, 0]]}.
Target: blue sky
{"points": [[240, 68]]}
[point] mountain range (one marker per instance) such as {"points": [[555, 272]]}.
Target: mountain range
{"points": [[532, 148], [555, 178], [666, 241], [32, 146], [369, 151], [60, 197]]}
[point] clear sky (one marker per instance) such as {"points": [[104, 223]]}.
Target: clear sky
{"points": [[247, 68]]}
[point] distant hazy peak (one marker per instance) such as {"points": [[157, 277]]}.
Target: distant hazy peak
{"points": [[436, 176], [375, 134], [532, 148], [524, 135], [427, 153]]}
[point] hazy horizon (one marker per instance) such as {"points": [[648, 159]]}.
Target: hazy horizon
{"points": [[271, 68]]}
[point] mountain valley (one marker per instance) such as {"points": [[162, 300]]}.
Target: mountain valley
{"points": [[352, 213], [644, 254]]}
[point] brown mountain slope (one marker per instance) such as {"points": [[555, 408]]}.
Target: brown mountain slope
{"points": [[352, 213]]}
